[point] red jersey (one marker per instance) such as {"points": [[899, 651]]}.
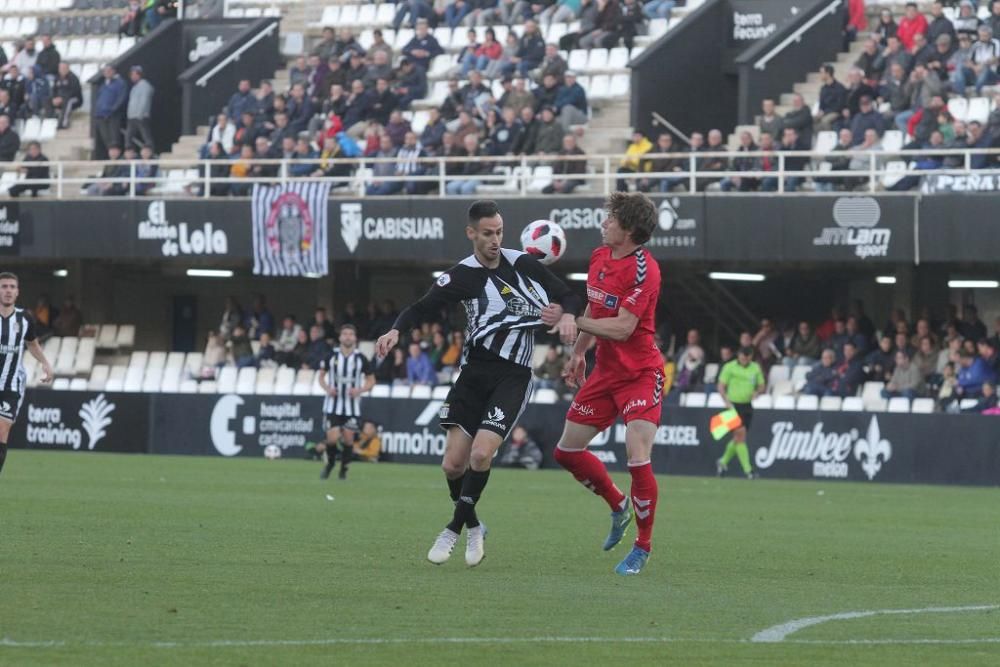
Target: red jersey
{"points": [[632, 283]]}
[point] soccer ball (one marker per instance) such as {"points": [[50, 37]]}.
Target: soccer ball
{"points": [[544, 240], [272, 452]]}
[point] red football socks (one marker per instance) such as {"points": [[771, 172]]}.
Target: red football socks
{"points": [[644, 493], [589, 471]]}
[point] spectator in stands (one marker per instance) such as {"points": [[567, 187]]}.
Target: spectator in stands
{"points": [[496, 68], [526, 133], [921, 90], [417, 10], [409, 162], [978, 140], [937, 61], [690, 370], [288, 338], [241, 102], [987, 399], [463, 126], [411, 83], [821, 379], [318, 351], [145, 172], [266, 353], [893, 90], [218, 168], [300, 109], [939, 24], [871, 144], [419, 369], [563, 11], [981, 67], [158, 11], [742, 163], [790, 143], [26, 56], [471, 170], [326, 325], [881, 362], [906, 380], [966, 22], [850, 374], [357, 109], [911, 24], [571, 102], [48, 56], [973, 373], [664, 165], [132, 20], [870, 63], [832, 99], [714, 163], [633, 162], [423, 48], [609, 19], [30, 173], [38, 94], [550, 133], [240, 348], [531, 49], [300, 71], [856, 90], [971, 327], [267, 102], [886, 27], [838, 162], [800, 119], [922, 51], [114, 170], [258, 320], [223, 133], [232, 316], [474, 94], [770, 120], [548, 374], [66, 94], [553, 64], [384, 102], [16, 86], [519, 97], [140, 108], [279, 130], [894, 53], [838, 336], [764, 342], [804, 349], [926, 357], [522, 452], [430, 137], [567, 167], [392, 370], [866, 119]]}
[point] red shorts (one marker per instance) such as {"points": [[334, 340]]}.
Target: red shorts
{"points": [[605, 396]]}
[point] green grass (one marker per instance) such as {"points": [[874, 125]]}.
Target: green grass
{"points": [[108, 554]]}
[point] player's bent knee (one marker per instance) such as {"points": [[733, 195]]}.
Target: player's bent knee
{"points": [[452, 469], [481, 459]]}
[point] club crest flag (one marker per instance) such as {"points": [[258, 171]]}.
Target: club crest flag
{"points": [[289, 229], [724, 423]]}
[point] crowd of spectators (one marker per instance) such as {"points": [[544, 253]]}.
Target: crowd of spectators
{"points": [[346, 102], [948, 360], [902, 80]]}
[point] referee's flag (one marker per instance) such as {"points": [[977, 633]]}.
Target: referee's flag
{"points": [[725, 423], [289, 229]]}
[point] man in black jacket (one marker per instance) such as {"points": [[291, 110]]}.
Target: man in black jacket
{"points": [[531, 51], [66, 94], [48, 58], [32, 173], [569, 165], [832, 99], [9, 141]]}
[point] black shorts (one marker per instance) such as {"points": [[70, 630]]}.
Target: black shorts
{"points": [[745, 411], [10, 404], [488, 396], [332, 421]]}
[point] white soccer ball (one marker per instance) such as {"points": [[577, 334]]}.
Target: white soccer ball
{"points": [[272, 452], [544, 240]]}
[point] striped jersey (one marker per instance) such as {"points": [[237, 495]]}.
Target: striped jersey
{"points": [[15, 330], [345, 372], [503, 306]]}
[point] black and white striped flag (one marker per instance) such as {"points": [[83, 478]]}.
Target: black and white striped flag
{"points": [[289, 229]]}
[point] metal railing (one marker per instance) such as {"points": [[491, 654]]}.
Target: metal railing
{"points": [[507, 175]]}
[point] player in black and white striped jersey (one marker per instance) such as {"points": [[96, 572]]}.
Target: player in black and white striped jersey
{"points": [[17, 333], [344, 377], [507, 295]]}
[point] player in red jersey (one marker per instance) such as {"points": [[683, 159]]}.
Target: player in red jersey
{"points": [[623, 285]]}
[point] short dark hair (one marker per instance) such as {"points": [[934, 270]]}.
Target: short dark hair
{"points": [[746, 351], [828, 69], [7, 275], [348, 326], [482, 208], [636, 214]]}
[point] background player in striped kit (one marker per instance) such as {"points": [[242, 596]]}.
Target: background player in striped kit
{"points": [[17, 332], [507, 294], [344, 377]]}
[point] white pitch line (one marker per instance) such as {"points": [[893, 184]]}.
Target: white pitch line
{"points": [[778, 633], [265, 643]]}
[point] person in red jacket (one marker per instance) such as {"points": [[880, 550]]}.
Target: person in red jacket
{"points": [[857, 21], [911, 24]]}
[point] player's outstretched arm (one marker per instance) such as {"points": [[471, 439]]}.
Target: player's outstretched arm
{"points": [[36, 351], [386, 342], [619, 327]]}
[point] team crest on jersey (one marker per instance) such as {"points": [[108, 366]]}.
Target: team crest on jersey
{"points": [[443, 280], [600, 276]]}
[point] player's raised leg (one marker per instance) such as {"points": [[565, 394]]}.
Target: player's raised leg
{"points": [[639, 438], [572, 454], [484, 447], [347, 438], [332, 447], [455, 464]]}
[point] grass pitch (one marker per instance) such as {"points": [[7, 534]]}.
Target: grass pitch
{"points": [[140, 560]]}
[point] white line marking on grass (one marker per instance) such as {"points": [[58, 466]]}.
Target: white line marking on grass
{"points": [[778, 633], [382, 641]]}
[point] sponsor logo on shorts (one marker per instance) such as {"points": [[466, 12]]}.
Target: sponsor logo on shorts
{"points": [[584, 409], [444, 411], [495, 418], [5, 408], [633, 404]]}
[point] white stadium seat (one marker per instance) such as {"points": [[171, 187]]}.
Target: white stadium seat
{"points": [[188, 387], [871, 394], [831, 403], [763, 402], [78, 384], [226, 380], [138, 359], [107, 336], [60, 384], [899, 404], [421, 391], [544, 396], [807, 402], [777, 374], [715, 400], [695, 400], [208, 387], [152, 380], [98, 378], [711, 373], [126, 335], [157, 360], [284, 381], [133, 379], [922, 406], [246, 380], [441, 392], [399, 391], [380, 391], [799, 374], [784, 402]]}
